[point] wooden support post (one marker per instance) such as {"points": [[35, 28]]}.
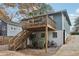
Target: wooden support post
{"points": [[46, 39]]}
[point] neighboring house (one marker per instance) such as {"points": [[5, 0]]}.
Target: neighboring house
{"points": [[8, 28], [3, 28], [62, 23]]}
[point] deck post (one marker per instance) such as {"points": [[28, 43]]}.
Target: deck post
{"points": [[46, 39]]}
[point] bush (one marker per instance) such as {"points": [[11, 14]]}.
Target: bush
{"points": [[38, 43], [34, 43], [75, 33], [41, 43]]}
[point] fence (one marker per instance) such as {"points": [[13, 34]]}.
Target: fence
{"points": [[4, 40]]}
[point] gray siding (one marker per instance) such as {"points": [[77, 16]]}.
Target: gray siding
{"points": [[3, 28], [58, 20], [66, 26]]}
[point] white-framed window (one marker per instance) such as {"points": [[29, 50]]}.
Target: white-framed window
{"points": [[54, 34]]}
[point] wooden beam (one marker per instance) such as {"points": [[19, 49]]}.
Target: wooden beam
{"points": [[46, 39]]}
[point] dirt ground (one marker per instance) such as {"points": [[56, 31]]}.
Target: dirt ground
{"points": [[39, 52], [71, 48], [26, 52]]}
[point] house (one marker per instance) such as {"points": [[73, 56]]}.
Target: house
{"points": [[13, 28], [3, 28], [8, 28], [62, 23], [43, 29]]}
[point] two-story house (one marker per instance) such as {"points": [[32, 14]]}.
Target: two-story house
{"points": [[53, 27], [62, 23]]}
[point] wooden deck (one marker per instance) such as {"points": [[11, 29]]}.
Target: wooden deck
{"points": [[39, 24]]}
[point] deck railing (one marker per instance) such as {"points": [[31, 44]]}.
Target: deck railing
{"points": [[38, 21]]}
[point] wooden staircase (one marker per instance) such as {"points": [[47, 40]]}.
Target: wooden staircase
{"points": [[16, 42]]}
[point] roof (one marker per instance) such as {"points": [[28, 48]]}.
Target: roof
{"points": [[65, 14], [14, 23], [50, 14], [11, 23]]}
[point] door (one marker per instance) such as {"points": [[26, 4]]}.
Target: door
{"points": [[63, 36]]}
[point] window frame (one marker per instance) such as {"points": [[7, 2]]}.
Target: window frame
{"points": [[54, 34]]}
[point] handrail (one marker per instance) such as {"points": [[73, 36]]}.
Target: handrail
{"points": [[38, 21], [18, 37], [50, 22], [22, 37], [19, 40], [11, 40]]}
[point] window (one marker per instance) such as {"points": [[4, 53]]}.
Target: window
{"points": [[11, 28], [42, 35], [54, 34], [33, 35], [14, 28]]}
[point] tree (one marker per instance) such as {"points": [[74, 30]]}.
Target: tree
{"points": [[24, 10], [3, 15], [42, 9], [7, 14]]}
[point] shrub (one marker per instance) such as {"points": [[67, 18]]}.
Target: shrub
{"points": [[41, 43], [75, 33], [38, 43]]}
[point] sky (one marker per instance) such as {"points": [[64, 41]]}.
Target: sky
{"points": [[72, 9]]}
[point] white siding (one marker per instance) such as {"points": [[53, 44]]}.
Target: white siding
{"points": [[59, 39], [65, 26], [13, 30]]}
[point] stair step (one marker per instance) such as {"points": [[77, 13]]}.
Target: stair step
{"points": [[19, 39]]}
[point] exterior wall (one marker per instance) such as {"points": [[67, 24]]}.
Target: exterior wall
{"points": [[58, 20], [0, 27], [13, 30], [66, 26], [3, 28], [58, 40]]}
